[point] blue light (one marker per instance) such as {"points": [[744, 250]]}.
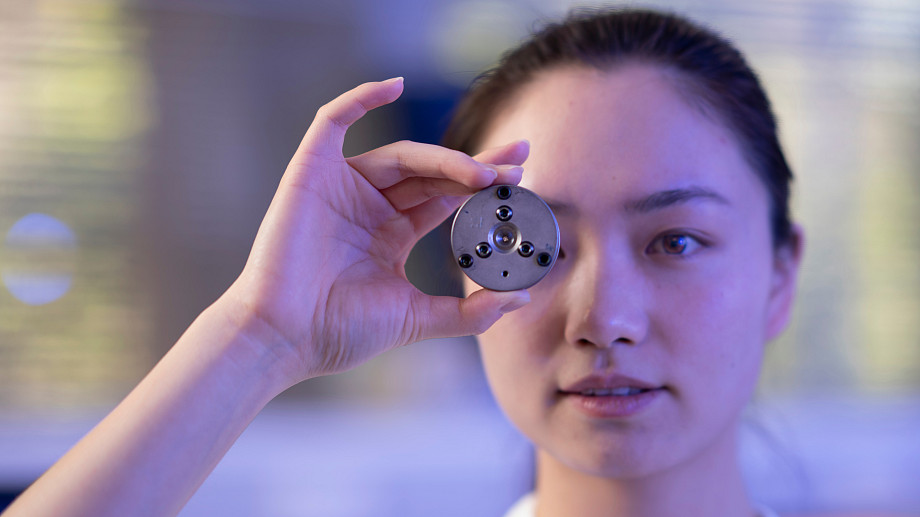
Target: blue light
{"points": [[38, 259]]}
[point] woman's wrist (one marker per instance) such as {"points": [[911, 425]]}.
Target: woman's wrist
{"points": [[263, 356]]}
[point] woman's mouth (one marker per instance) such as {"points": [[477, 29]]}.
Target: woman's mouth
{"points": [[619, 402], [606, 392]]}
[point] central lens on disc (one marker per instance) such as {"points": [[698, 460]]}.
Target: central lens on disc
{"points": [[505, 237]]}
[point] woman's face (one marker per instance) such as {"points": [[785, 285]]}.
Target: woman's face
{"points": [[667, 279]]}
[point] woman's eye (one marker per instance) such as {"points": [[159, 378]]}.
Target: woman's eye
{"points": [[675, 244]]}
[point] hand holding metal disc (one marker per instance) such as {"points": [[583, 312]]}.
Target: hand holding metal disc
{"points": [[505, 238]]}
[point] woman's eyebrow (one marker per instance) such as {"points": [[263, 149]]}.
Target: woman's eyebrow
{"points": [[666, 198], [655, 201]]}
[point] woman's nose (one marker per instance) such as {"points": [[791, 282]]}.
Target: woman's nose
{"points": [[607, 303]]}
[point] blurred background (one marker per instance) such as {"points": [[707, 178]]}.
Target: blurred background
{"points": [[141, 142]]}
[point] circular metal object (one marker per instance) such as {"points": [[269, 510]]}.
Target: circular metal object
{"points": [[483, 250], [503, 213], [521, 252]]}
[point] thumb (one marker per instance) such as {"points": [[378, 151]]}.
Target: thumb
{"points": [[450, 317]]}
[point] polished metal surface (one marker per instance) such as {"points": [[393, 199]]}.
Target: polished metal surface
{"points": [[505, 238]]}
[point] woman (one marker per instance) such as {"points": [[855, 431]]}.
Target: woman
{"points": [[628, 369], [655, 143]]}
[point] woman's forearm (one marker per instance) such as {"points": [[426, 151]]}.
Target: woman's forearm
{"points": [[150, 454]]}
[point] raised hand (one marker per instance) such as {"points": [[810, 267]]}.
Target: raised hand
{"points": [[325, 285]]}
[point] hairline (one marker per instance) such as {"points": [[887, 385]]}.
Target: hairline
{"points": [[687, 87]]}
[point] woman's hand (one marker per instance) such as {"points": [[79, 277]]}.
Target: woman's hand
{"points": [[325, 285]]}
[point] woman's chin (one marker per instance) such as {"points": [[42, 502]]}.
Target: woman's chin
{"points": [[609, 461]]}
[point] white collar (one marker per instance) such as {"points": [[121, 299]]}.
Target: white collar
{"points": [[526, 506]]}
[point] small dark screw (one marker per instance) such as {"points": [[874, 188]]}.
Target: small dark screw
{"points": [[504, 274], [525, 249], [466, 260], [544, 259], [503, 192], [483, 250], [503, 213]]}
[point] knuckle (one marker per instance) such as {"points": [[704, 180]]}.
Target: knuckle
{"points": [[328, 113], [403, 165], [363, 105], [460, 156], [323, 111], [430, 190]]}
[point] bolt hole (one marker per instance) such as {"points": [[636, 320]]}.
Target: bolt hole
{"points": [[525, 249], [504, 274]]}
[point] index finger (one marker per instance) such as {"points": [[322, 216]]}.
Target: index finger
{"points": [[514, 153], [326, 134]]}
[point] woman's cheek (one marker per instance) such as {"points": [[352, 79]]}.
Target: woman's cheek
{"points": [[724, 351], [515, 350]]}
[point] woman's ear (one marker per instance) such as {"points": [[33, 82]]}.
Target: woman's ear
{"points": [[786, 262]]}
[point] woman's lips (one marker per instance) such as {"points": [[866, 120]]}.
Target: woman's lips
{"points": [[602, 404], [610, 381]]}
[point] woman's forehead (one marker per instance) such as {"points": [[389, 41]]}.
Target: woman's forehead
{"points": [[626, 130]]}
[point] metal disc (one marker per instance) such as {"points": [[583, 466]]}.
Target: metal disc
{"points": [[520, 231]]}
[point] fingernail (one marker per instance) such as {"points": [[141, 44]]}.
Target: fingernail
{"points": [[510, 169], [524, 141], [520, 299], [395, 79]]}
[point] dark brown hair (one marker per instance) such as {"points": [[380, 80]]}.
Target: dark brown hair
{"points": [[712, 73]]}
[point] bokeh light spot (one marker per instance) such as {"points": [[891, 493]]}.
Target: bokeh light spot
{"points": [[38, 259]]}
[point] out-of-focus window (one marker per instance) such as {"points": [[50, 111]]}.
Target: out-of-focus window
{"points": [[845, 78], [74, 113]]}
